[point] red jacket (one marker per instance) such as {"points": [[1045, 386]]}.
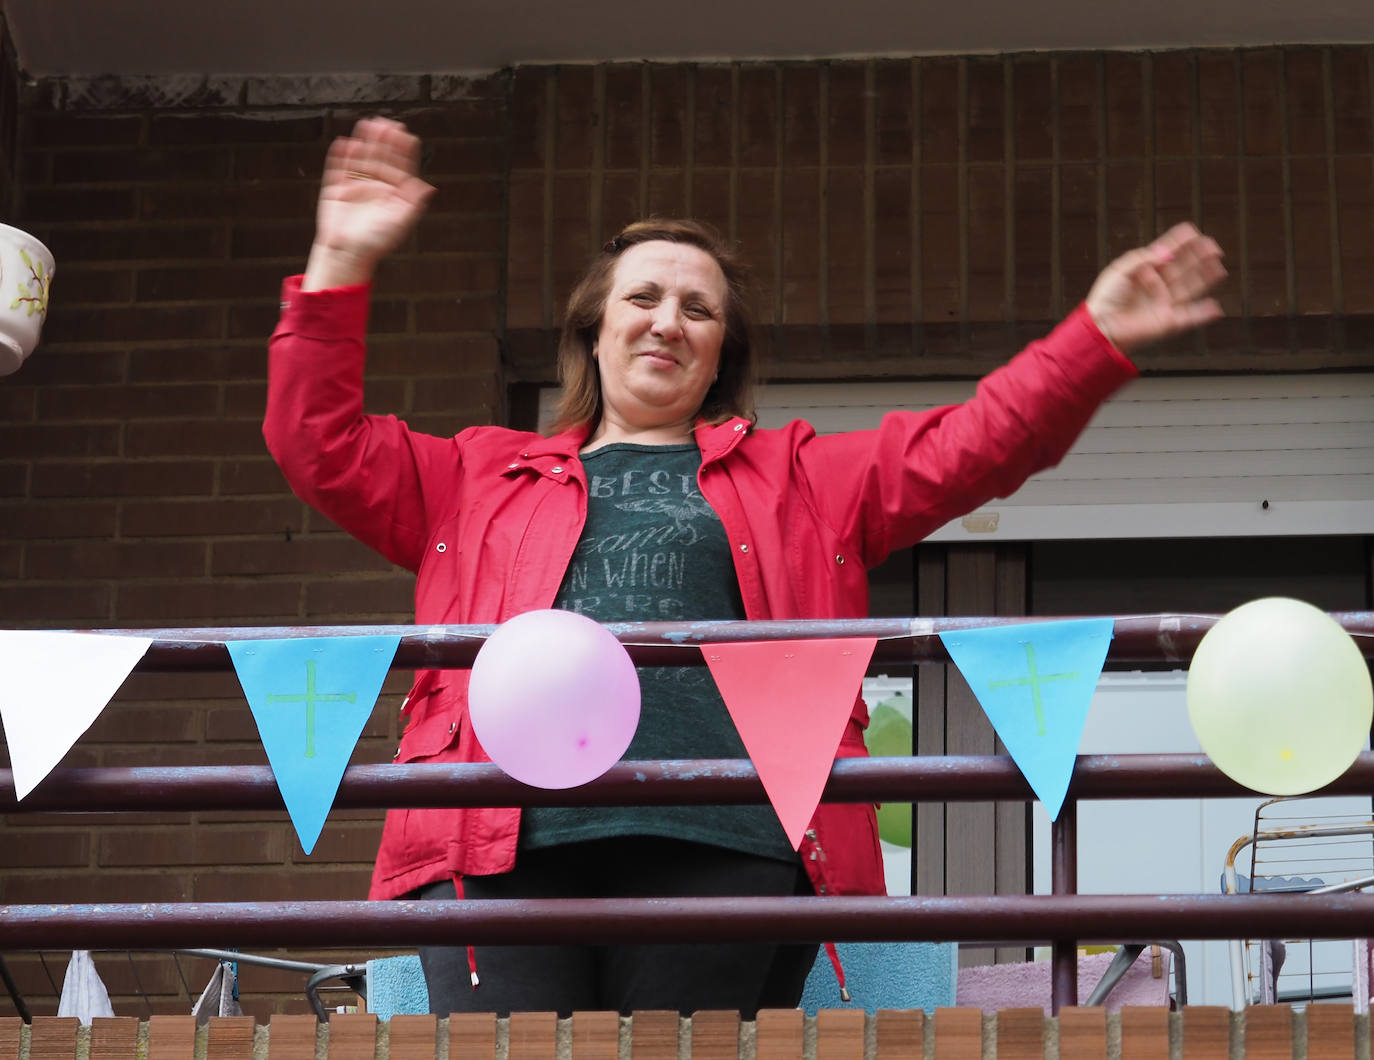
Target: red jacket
{"points": [[489, 519]]}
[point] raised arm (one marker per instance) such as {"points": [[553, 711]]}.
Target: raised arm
{"points": [[367, 473]]}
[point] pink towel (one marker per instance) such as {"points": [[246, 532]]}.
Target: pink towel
{"points": [[1027, 985]]}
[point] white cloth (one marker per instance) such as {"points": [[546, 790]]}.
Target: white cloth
{"points": [[217, 999], [83, 994]]}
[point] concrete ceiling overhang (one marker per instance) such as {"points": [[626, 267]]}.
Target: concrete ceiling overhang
{"points": [[266, 37]]}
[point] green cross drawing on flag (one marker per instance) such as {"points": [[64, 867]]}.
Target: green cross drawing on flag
{"points": [[310, 697], [1034, 680]]}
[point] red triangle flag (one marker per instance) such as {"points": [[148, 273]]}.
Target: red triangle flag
{"points": [[790, 700]]}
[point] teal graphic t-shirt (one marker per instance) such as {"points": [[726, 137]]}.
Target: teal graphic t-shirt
{"points": [[654, 550]]}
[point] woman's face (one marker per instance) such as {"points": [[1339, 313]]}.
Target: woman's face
{"points": [[661, 333]]}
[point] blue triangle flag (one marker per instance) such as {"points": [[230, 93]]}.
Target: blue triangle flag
{"points": [[1035, 681], [311, 698]]}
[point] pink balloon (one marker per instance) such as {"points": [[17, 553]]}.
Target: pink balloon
{"points": [[554, 698]]}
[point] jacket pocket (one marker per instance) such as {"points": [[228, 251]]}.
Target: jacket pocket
{"points": [[433, 717]]}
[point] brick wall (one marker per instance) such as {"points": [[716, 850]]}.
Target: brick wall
{"points": [[904, 216], [9, 119]]}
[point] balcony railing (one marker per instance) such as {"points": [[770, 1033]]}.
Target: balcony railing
{"points": [[1062, 919]]}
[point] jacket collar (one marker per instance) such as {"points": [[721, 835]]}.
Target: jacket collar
{"points": [[715, 440]]}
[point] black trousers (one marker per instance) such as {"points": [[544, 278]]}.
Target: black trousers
{"points": [[690, 977]]}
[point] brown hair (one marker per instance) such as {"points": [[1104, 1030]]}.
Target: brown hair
{"points": [[732, 392]]}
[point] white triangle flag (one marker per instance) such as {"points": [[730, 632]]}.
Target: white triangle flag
{"points": [[52, 686]]}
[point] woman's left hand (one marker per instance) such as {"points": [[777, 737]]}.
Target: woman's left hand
{"points": [[1158, 290]]}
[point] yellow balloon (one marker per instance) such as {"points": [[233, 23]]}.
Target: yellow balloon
{"points": [[1280, 697]]}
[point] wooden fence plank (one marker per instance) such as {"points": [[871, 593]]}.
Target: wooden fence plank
{"points": [[172, 1037], [1206, 1032], [958, 1034], [1144, 1033], [54, 1038], [472, 1036], [840, 1034], [10, 1029], [230, 1038], [1021, 1034], [352, 1036], [1330, 1032], [413, 1036], [1083, 1033], [595, 1035], [291, 1037], [779, 1033], [533, 1035], [1269, 1032], [901, 1034], [653, 1035], [715, 1035], [112, 1038]]}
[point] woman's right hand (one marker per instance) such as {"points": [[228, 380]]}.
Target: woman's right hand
{"points": [[370, 199]]}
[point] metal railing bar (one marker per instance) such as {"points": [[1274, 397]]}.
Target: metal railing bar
{"points": [[1136, 638], [1005, 919], [687, 782]]}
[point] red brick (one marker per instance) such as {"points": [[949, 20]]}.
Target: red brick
{"points": [[1125, 102], [1267, 263], [347, 843], [713, 132], [892, 246], [143, 166], [43, 605], [250, 476], [59, 440], [892, 106], [460, 195], [11, 557], [985, 139], [620, 203], [668, 132], [115, 559], [289, 240], [113, 1037], [302, 554], [58, 519], [468, 313], [475, 234], [667, 195], [299, 884], [380, 595], [468, 119], [54, 129], [95, 286], [1033, 227], [199, 362], [72, 887], [1033, 124], [263, 127], [208, 437], [1352, 103], [1172, 78], [940, 119], [1305, 99], [624, 135], [801, 246], [209, 603], [436, 275], [14, 479], [73, 205], [54, 849], [126, 402], [209, 517], [987, 273], [291, 1037], [528, 116], [939, 217], [143, 241], [1080, 106], [1311, 204], [220, 282], [758, 115], [846, 285], [135, 324], [191, 846], [1260, 70], [574, 117], [847, 122]]}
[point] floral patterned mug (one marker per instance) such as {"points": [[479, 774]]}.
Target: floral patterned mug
{"points": [[26, 268]]}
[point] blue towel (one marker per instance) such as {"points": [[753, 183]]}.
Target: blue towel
{"points": [[885, 975], [396, 987]]}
